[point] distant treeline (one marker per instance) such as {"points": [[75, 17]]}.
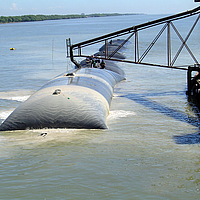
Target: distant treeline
{"points": [[28, 18]]}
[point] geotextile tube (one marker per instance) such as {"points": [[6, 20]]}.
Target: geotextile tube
{"points": [[78, 99]]}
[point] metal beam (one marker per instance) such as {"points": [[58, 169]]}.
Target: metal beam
{"points": [[134, 30], [138, 27]]}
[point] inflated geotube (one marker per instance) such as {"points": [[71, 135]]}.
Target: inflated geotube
{"points": [[116, 55], [114, 44], [77, 99]]}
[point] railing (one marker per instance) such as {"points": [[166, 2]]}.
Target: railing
{"points": [[134, 31]]}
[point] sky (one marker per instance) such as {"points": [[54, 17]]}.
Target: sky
{"points": [[47, 7]]}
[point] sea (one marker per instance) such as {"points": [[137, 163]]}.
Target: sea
{"points": [[151, 149]]}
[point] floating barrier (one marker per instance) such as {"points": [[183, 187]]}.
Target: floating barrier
{"points": [[77, 99]]}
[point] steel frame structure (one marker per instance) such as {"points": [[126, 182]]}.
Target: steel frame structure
{"points": [[167, 23]]}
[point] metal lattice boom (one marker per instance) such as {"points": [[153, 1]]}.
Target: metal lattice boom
{"points": [[134, 31]]}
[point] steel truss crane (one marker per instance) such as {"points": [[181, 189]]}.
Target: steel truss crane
{"points": [[75, 50]]}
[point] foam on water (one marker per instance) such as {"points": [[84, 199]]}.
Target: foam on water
{"points": [[36, 137], [5, 114], [14, 95], [115, 114], [17, 98]]}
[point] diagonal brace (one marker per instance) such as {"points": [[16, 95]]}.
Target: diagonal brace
{"points": [[152, 43], [184, 42], [121, 45]]}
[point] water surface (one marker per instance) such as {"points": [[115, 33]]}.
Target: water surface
{"points": [[151, 147]]}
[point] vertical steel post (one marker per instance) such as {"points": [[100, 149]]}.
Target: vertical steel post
{"points": [[106, 49], [189, 81], [79, 50], [72, 55], [136, 47], [67, 45], [169, 44]]}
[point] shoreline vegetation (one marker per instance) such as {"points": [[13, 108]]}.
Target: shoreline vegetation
{"points": [[30, 18]]}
